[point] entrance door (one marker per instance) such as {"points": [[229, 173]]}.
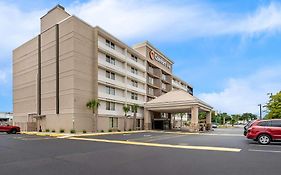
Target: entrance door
{"points": [[158, 124]]}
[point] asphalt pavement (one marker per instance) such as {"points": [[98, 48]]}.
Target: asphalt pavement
{"points": [[25, 154]]}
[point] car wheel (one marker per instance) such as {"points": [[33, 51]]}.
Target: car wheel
{"points": [[13, 131], [264, 139]]}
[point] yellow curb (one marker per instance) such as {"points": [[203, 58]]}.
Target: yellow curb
{"points": [[109, 133], [207, 148], [43, 134]]}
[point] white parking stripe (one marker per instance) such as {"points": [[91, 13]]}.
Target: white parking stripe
{"points": [[265, 151]]}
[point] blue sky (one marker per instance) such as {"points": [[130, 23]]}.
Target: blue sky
{"points": [[229, 51]]}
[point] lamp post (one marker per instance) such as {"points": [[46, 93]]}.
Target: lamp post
{"points": [[260, 111]]}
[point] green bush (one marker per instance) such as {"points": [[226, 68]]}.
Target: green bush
{"points": [[47, 130], [102, 131], [72, 131], [84, 131], [61, 130], [53, 130], [110, 130], [130, 129]]}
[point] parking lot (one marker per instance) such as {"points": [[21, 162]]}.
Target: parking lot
{"points": [[139, 153]]}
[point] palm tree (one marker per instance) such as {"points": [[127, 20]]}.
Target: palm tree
{"points": [[126, 109], [93, 105], [134, 108]]}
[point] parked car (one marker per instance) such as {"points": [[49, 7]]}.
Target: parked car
{"points": [[265, 131], [9, 129], [214, 125]]}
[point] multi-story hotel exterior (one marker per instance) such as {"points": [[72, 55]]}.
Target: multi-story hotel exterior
{"points": [[70, 62]]}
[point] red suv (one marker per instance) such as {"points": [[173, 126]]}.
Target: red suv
{"points": [[9, 129], [265, 131]]}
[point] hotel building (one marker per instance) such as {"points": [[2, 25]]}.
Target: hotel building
{"points": [[70, 62]]}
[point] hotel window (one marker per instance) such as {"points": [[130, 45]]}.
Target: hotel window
{"points": [[134, 70], [134, 83], [110, 44], [150, 91], [150, 80], [134, 110], [110, 59], [150, 69], [163, 86], [110, 106], [133, 57], [134, 96], [113, 122], [110, 75], [110, 90], [164, 77]]}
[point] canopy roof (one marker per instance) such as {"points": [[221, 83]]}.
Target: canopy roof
{"points": [[176, 101]]}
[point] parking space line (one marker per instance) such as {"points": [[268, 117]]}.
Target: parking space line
{"points": [[207, 148], [265, 151]]}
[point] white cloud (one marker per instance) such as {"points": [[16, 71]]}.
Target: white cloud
{"points": [[244, 94], [158, 20], [3, 77], [16, 26]]}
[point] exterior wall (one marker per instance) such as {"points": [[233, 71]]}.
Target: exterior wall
{"points": [[83, 52], [25, 80]]}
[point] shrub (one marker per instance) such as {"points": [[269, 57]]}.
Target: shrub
{"points": [[61, 130], [119, 130], [102, 131], [84, 131], [72, 131], [47, 130], [53, 130], [130, 129], [110, 130]]}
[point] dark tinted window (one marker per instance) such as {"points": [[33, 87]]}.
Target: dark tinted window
{"points": [[265, 123], [276, 123]]}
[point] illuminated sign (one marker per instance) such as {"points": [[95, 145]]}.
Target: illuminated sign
{"points": [[156, 57]]}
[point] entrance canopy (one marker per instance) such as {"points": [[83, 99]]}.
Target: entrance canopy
{"points": [[176, 101]]}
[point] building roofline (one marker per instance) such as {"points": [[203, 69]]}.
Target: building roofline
{"points": [[176, 77], [58, 6], [147, 43]]}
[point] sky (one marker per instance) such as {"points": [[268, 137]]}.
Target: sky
{"points": [[229, 51]]}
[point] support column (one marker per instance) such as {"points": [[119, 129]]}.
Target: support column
{"points": [[194, 126], [147, 119], [209, 121]]}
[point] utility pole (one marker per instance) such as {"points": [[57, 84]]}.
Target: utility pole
{"points": [[260, 111]]}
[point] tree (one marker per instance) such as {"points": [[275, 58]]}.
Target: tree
{"points": [[126, 109], [274, 106], [134, 109], [93, 105]]}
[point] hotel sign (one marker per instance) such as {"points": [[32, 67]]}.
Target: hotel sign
{"points": [[155, 56]]}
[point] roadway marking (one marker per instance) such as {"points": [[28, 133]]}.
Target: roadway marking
{"points": [[207, 148], [265, 151]]}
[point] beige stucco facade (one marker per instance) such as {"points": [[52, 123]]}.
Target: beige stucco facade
{"points": [[70, 62]]}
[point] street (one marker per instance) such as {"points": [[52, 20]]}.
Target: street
{"points": [[223, 151]]}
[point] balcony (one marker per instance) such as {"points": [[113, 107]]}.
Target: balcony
{"points": [[102, 79], [103, 95], [107, 112], [140, 90], [136, 64], [135, 76], [113, 52], [109, 66]]}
